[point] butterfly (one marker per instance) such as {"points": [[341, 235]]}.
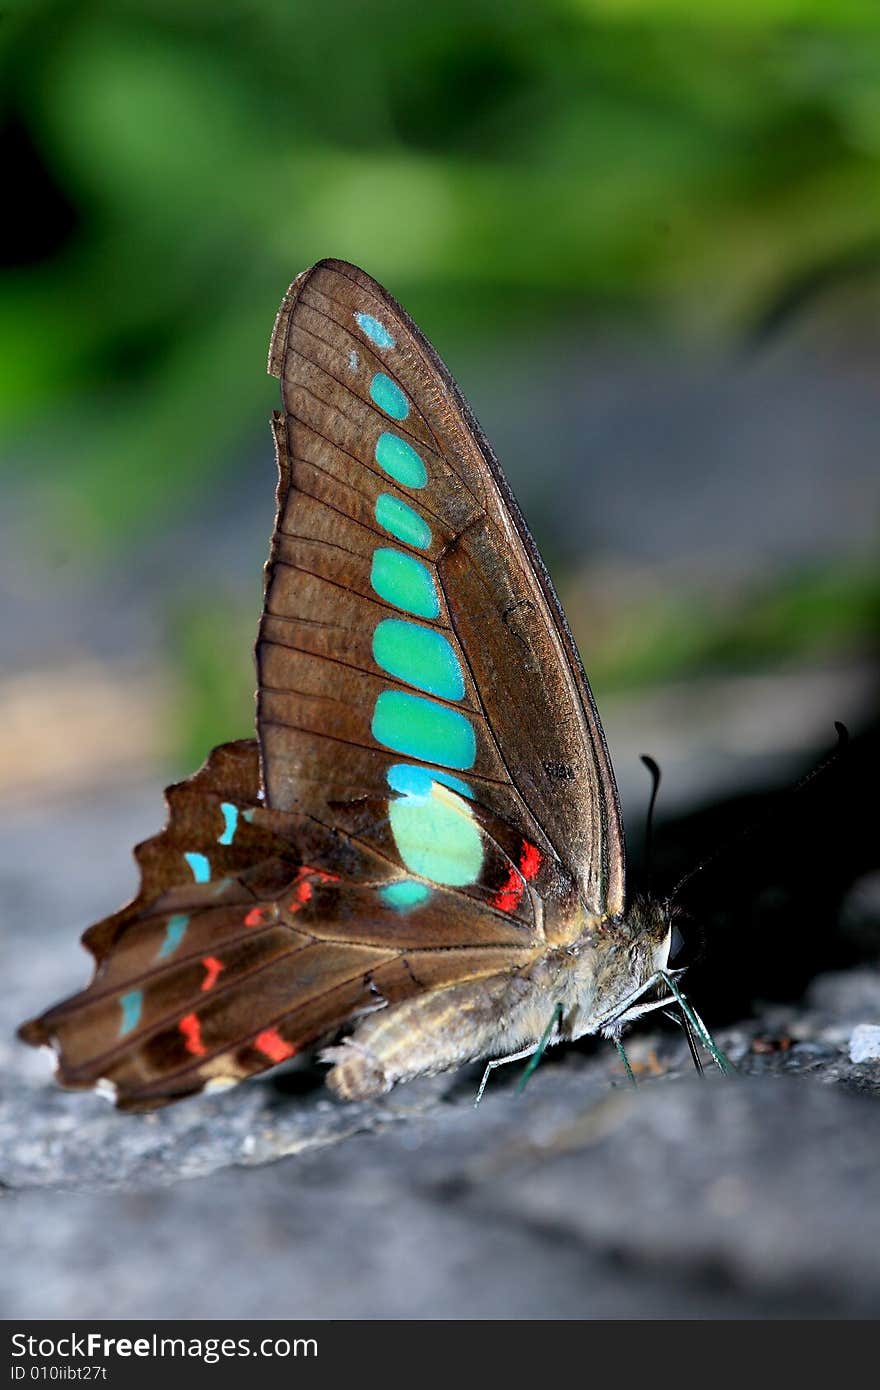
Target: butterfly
{"points": [[419, 860]]}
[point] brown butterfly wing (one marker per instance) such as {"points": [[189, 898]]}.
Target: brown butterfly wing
{"points": [[263, 920], [207, 982], [541, 763]]}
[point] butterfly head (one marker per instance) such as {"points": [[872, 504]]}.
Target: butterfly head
{"points": [[626, 965]]}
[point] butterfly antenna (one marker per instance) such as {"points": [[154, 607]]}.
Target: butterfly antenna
{"points": [[827, 762], [654, 773]]}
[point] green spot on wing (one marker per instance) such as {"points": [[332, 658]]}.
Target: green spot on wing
{"points": [[402, 521], [437, 838], [403, 580], [423, 730], [409, 780], [230, 822], [201, 869], [400, 460], [389, 397], [420, 656], [375, 331], [404, 894], [131, 1005], [174, 934]]}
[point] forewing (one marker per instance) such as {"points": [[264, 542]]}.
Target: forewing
{"points": [[408, 619]]}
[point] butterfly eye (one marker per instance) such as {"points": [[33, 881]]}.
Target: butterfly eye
{"points": [[676, 945]]}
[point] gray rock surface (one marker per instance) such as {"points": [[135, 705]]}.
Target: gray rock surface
{"points": [[757, 1197]]}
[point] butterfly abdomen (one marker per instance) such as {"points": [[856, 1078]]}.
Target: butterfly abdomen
{"points": [[421, 1037], [441, 1030]]}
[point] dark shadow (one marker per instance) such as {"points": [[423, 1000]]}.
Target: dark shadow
{"points": [[304, 1078], [767, 914]]}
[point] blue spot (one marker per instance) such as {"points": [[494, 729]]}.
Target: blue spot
{"points": [[404, 894], [402, 521], [389, 397], [199, 864], [410, 780], [421, 729], [131, 1005], [375, 330], [174, 933], [249, 815], [420, 656], [230, 815], [403, 580], [400, 460]]}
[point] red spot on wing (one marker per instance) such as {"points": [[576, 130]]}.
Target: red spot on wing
{"points": [[509, 895], [306, 871], [273, 1046], [213, 966], [192, 1033], [303, 888], [256, 917], [530, 860]]}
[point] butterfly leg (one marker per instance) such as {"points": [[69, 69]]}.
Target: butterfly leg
{"points": [[621, 1050], [549, 1035], [502, 1062], [535, 1051]]}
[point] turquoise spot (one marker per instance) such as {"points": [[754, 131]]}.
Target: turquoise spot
{"points": [[404, 894], [410, 780], [200, 867], [420, 729], [174, 933], [375, 330], [131, 1005], [420, 656], [402, 521], [400, 461], [437, 838], [403, 580], [249, 815], [230, 815], [389, 397]]}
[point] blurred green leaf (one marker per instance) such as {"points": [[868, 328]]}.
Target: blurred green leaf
{"points": [[499, 167], [211, 644], [534, 160], [803, 615]]}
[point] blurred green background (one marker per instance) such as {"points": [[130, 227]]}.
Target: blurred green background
{"points": [[609, 187]]}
